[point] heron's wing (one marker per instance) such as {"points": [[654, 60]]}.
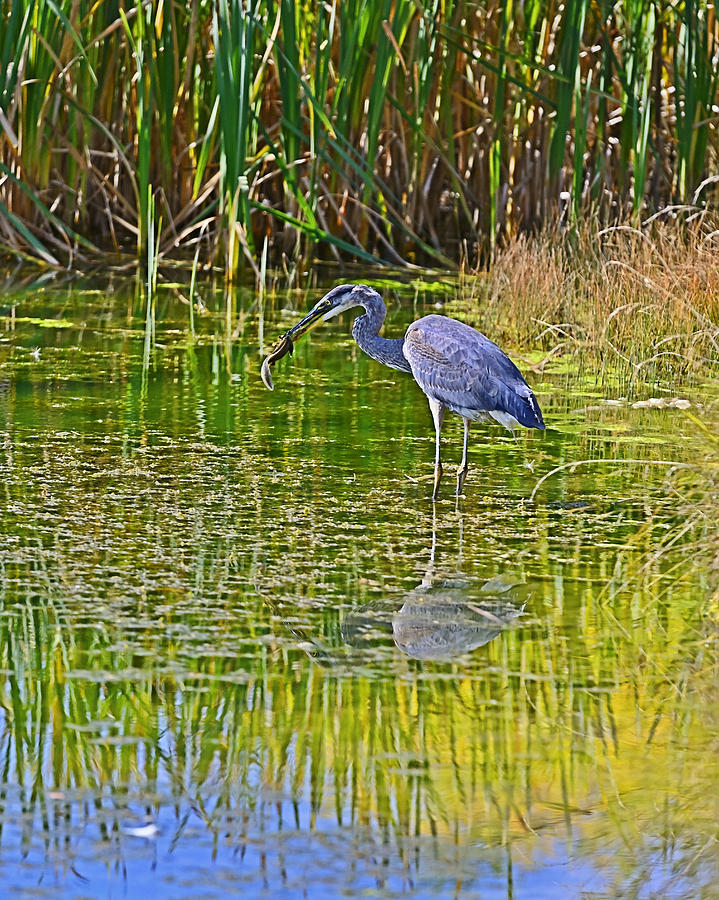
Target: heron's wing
{"points": [[465, 371]]}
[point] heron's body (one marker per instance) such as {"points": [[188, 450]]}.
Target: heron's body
{"points": [[465, 372], [457, 367]]}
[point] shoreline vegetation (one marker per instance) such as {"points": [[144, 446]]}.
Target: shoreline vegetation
{"points": [[251, 135], [635, 303], [554, 167]]}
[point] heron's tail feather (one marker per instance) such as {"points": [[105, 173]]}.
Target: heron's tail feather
{"points": [[522, 405]]}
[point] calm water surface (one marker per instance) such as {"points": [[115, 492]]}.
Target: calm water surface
{"points": [[243, 655]]}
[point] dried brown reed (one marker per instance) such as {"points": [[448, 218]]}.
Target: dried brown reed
{"points": [[649, 296]]}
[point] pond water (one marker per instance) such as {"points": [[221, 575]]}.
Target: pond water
{"points": [[242, 653]]}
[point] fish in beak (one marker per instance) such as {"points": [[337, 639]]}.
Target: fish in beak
{"points": [[331, 304]]}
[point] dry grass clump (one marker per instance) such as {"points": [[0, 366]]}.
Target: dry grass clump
{"points": [[649, 296], [635, 307]]}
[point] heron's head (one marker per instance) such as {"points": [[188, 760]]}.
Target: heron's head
{"points": [[336, 301]]}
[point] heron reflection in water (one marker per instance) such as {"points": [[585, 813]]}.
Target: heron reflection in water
{"points": [[444, 616], [448, 614], [457, 367]]}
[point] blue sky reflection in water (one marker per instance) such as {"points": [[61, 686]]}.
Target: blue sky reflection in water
{"points": [[241, 654]]}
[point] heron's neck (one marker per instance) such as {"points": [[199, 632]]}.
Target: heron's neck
{"points": [[365, 331]]}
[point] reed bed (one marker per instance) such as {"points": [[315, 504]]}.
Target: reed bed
{"points": [[397, 132], [634, 304]]}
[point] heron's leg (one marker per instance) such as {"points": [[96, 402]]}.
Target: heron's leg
{"points": [[438, 416], [464, 465]]}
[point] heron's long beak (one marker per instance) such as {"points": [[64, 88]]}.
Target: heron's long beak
{"points": [[313, 318]]}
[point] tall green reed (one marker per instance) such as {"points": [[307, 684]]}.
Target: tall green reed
{"points": [[385, 131], [234, 30]]}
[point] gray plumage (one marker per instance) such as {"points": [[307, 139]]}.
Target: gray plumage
{"points": [[466, 372], [457, 367]]}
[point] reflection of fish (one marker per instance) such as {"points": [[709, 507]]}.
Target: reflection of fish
{"points": [[282, 348], [441, 619]]}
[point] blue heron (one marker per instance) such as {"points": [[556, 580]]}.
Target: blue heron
{"points": [[457, 367]]}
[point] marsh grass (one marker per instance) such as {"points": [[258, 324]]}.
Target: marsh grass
{"points": [[639, 304]]}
